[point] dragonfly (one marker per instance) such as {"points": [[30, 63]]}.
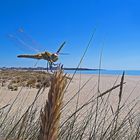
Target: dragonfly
{"points": [[50, 57]]}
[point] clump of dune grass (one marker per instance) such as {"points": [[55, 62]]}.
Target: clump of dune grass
{"points": [[19, 78], [50, 115]]}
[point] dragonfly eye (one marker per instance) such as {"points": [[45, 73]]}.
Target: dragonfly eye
{"points": [[55, 54]]}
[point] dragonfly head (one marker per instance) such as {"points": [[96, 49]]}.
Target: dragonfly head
{"points": [[54, 57]]}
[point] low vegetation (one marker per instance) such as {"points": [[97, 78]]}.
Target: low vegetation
{"points": [[20, 78]]}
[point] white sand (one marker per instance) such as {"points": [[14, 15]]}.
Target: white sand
{"points": [[90, 88], [106, 82]]}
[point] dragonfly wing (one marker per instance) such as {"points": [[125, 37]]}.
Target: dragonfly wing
{"points": [[20, 42], [28, 38], [60, 48], [37, 56]]}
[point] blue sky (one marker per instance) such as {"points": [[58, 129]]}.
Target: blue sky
{"points": [[50, 22]]}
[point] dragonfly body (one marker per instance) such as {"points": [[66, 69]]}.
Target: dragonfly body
{"points": [[50, 57]]}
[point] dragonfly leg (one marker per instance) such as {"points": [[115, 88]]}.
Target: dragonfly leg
{"points": [[47, 66], [59, 65], [50, 66]]}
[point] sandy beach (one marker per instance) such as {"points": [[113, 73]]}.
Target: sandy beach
{"points": [[84, 86], [90, 82]]}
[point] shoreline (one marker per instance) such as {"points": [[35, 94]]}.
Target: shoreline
{"points": [[79, 70]]}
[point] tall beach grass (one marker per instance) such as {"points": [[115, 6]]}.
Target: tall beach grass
{"points": [[94, 119]]}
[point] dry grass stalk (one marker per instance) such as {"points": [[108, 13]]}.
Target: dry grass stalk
{"points": [[50, 116], [23, 124]]}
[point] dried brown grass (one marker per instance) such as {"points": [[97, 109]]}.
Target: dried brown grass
{"points": [[50, 116]]}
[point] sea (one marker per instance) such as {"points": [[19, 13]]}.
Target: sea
{"points": [[106, 72]]}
